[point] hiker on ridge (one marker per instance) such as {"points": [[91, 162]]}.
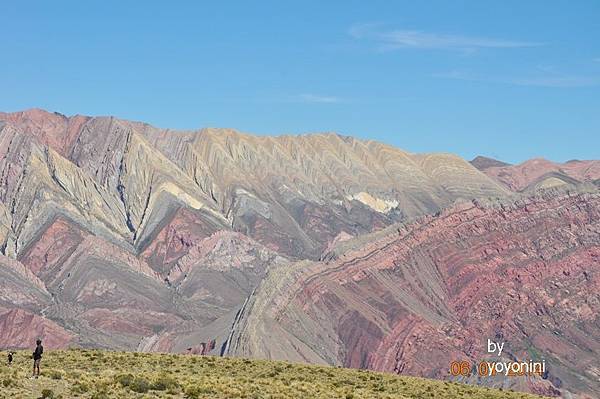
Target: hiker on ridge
{"points": [[37, 358]]}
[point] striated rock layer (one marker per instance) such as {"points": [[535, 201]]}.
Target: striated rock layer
{"points": [[125, 181], [320, 248], [416, 297], [540, 173]]}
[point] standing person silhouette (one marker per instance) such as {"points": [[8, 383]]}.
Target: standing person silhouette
{"points": [[10, 358], [37, 358]]}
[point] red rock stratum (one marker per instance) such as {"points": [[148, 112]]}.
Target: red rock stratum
{"points": [[413, 298]]}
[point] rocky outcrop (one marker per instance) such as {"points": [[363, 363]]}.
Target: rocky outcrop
{"points": [[421, 295], [52, 130], [482, 163], [20, 329], [21, 287]]}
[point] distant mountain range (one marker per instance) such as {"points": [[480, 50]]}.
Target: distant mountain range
{"points": [[540, 173], [317, 248]]}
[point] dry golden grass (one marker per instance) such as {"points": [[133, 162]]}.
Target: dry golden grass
{"points": [[101, 374]]}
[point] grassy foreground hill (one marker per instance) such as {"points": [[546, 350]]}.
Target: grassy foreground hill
{"points": [[100, 374]]}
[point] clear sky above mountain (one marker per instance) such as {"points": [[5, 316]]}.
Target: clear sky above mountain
{"points": [[511, 79]]}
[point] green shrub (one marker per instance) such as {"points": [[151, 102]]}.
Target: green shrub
{"points": [[196, 392], [140, 385], [164, 383], [124, 379], [55, 374], [6, 382], [80, 387], [100, 395], [74, 375], [47, 394]]}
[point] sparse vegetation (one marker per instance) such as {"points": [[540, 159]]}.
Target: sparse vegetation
{"points": [[104, 375]]}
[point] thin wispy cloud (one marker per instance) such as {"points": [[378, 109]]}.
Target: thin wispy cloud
{"points": [[403, 39], [315, 98], [557, 81]]}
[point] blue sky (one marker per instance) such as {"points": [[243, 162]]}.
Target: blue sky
{"points": [[507, 79]]}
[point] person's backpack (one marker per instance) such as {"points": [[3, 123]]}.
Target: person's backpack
{"points": [[37, 354]]}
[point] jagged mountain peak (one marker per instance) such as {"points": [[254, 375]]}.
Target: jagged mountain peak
{"points": [[481, 162]]}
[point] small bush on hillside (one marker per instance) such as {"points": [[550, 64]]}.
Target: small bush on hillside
{"points": [[55, 374], [164, 383], [80, 387], [124, 379], [100, 395], [140, 385], [75, 375], [47, 394], [195, 392]]}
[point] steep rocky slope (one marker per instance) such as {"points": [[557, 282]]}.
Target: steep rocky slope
{"points": [[145, 237], [413, 298], [319, 248], [123, 180]]}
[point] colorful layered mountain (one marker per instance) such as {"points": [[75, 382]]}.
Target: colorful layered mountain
{"points": [[318, 248], [414, 298], [541, 173]]}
